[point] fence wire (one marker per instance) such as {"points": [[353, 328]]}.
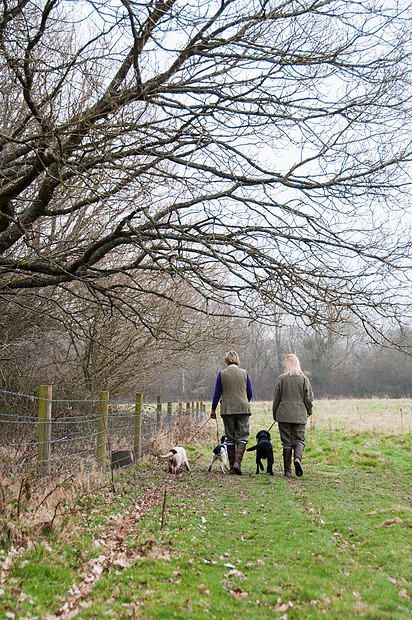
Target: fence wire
{"points": [[74, 431]]}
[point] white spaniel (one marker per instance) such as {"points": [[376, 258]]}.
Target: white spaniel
{"points": [[220, 454], [177, 459]]}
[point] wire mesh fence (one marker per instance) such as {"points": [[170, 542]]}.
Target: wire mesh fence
{"points": [[75, 434]]}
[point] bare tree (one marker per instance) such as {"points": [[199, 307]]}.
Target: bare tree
{"points": [[253, 150]]}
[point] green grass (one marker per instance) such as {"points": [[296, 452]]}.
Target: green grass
{"points": [[333, 544]]}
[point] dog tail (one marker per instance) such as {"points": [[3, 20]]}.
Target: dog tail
{"points": [[261, 465], [166, 456], [250, 449]]}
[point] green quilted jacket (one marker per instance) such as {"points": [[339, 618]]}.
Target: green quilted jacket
{"points": [[292, 401]]}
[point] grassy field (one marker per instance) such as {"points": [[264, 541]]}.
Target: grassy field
{"points": [[332, 544]]}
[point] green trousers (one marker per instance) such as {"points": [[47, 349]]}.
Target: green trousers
{"points": [[291, 434], [236, 427]]}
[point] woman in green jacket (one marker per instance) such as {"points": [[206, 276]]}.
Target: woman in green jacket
{"points": [[292, 405], [234, 391]]}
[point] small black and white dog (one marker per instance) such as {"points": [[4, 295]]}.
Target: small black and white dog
{"points": [[264, 450], [177, 459], [220, 454]]}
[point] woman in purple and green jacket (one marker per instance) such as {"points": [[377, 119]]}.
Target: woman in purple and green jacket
{"points": [[234, 391]]}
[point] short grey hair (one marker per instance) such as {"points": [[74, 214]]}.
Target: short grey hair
{"points": [[232, 357]]}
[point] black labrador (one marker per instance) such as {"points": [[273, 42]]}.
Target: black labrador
{"points": [[264, 450]]}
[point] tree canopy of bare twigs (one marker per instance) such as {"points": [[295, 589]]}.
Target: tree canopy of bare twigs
{"points": [[257, 151]]}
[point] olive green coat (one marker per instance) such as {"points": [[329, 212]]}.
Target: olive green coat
{"points": [[292, 401]]}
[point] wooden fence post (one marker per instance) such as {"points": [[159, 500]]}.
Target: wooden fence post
{"points": [[197, 411], [137, 440], [102, 429], [44, 427], [187, 408], [159, 414]]}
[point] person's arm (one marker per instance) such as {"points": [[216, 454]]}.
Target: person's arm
{"points": [[249, 388], [308, 396], [276, 398], [216, 396]]}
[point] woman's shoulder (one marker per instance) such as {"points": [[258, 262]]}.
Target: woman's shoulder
{"points": [[234, 369], [286, 377]]}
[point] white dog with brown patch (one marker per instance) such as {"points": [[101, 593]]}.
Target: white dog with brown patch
{"points": [[177, 459]]}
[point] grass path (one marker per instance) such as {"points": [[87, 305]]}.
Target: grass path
{"points": [[333, 544]]}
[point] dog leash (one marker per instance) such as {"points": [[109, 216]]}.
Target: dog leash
{"points": [[198, 430], [274, 421], [217, 431]]}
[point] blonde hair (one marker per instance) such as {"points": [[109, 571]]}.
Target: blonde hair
{"points": [[292, 365], [232, 357]]}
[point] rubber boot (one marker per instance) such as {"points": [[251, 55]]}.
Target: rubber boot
{"points": [[287, 462], [238, 459], [231, 454], [297, 461]]}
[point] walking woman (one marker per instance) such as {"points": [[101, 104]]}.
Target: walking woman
{"points": [[292, 405], [234, 390]]}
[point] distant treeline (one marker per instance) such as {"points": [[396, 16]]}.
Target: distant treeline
{"points": [[106, 351], [339, 365]]}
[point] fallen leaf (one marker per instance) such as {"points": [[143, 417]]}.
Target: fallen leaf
{"points": [[122, 563], [283, 606], [228, 565], [238, 593], [397, 582], [237, 574], [389, 522], [403, 593]]}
